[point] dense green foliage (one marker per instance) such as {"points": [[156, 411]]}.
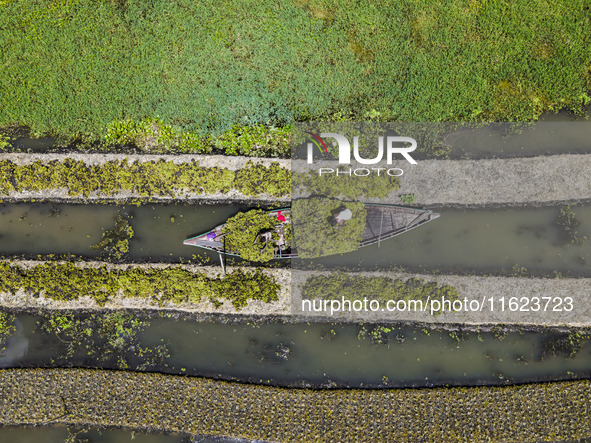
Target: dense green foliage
{"points": [[114, 244], [169, 179], [65, 281], [354, 287], [316, 234], [146, 178], [74, 67], [242, 235], [154, 136]]}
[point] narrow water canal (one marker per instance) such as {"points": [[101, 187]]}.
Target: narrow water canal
{"points": [[314, 354], [461, 240]]}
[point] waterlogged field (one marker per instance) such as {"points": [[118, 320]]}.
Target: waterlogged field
{"points": [[517, 241], [159, 230]]}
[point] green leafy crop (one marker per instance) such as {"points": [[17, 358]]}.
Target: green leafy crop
{"points": [[242, 231], [316, 233]]}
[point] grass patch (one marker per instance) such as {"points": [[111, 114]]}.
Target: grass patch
{"points": [[82, 69]]}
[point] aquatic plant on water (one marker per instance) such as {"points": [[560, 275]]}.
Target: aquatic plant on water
{"points": [[114, 245], [106, 337], [7, 328]]}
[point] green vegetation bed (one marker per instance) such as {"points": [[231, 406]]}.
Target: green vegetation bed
{"points": [[90, 67], [65, 281], [166, 178], [530, 413], [304, 183], [353, 287], [242, 235], [146, 179]]}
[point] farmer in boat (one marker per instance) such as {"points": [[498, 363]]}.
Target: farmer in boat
{"points": [[265, 236], [342, 216], [281, 243]]}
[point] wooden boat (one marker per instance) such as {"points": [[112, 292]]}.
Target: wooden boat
{"points": [[387, 221], [382, 222], [214, 240]]}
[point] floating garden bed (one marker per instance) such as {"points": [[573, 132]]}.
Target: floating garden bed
{"points": [[146, 179], [66, 281]]}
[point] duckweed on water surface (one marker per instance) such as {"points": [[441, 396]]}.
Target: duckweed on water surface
{"points": [[529, 413], [66, 281], [106, 337]]}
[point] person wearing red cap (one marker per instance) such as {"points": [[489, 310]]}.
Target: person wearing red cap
{"points": [[280, 217]]}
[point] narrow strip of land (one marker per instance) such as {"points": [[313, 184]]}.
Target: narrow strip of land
{"points": [[230, 162], [536, 180], [544, 179], [531, 413], [515, 300], [498, 181], [513, 297], [114, 289]]}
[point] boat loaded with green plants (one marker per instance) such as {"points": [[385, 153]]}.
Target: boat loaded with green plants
{"points": [[313, 227]]}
